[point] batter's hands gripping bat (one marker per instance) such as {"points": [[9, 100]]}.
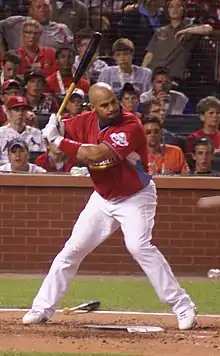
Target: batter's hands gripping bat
{"points": [[87, 307], [83, 65]]}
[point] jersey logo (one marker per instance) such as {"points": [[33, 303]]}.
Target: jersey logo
{"points": [[119, 139]]}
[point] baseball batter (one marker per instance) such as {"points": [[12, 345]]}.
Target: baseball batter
{"points": [[112, 143]]}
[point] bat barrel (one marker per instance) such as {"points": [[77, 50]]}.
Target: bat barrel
{"points": [[86, 59], [89, 53]]}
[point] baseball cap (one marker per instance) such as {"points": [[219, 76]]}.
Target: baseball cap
{"points": [[10, 83], [203, 141], [17, 142], [17, 101], [34, 72], [78, 92]]}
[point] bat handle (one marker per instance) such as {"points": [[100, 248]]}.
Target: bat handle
{"points": [[65, 100]]}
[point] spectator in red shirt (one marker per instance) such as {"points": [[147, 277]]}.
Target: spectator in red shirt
{"points": [[54, 160], [41, 103], [208, 110], [59, 82], [32, 55]]}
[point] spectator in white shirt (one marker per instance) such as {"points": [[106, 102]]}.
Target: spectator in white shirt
{"points": [[125, 72], [17, 128], [18, 154], [173, 100]]}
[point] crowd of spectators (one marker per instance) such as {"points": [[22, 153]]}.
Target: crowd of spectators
{"points": [[152, 54]]}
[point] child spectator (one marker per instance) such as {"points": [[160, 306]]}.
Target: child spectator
{"points": [[202, 154], [124, 71], [41, 103], [130, 99], [208, 109]]}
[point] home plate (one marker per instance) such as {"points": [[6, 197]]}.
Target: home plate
{"points": [[129, 328]]}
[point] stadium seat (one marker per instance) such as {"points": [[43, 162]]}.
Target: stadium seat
{"points": [[183, 125]]}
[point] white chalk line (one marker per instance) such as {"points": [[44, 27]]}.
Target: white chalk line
{"points": [[114, 312]]}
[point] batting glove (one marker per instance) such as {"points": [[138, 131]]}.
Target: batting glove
{"points": [[51, 134], [54, 120]]}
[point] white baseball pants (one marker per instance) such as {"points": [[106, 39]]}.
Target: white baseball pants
{"points": [[100, 218]]}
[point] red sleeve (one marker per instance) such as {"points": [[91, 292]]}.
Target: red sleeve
{"points": [[129, 139], [74, 128]]}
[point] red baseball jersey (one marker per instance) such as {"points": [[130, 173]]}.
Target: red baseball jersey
{"points": [[128, 172], [54, 86], [45, 59]]}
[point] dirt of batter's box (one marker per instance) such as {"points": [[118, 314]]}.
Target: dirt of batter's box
{"points": [[66, 334]]}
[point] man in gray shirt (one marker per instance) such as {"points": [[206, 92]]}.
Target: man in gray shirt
{"points": [[53, 34], [125, 71], [172, 45], [71, 12], [174, 101]]}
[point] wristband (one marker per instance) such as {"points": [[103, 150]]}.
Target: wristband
{"points": [[69, 147]]}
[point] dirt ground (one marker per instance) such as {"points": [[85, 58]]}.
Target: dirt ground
{"points": [[66, 334]]}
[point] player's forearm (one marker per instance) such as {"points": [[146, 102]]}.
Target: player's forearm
{"points": [[147, 59], [86, 153], [200, 30]]}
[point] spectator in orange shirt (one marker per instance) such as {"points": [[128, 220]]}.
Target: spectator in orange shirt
{"points": [[162, 158], [59, 82], [32, 55], [208, 110], [54, 160]]}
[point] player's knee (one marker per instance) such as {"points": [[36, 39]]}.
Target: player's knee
{"points": [[136, 248], [75, 250]]}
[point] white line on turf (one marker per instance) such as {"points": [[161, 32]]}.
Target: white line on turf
{"points": [[117, 312]]}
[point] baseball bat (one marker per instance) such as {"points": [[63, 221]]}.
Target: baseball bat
{"points": [[87, 307], [209, 202], [83, 65]]}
